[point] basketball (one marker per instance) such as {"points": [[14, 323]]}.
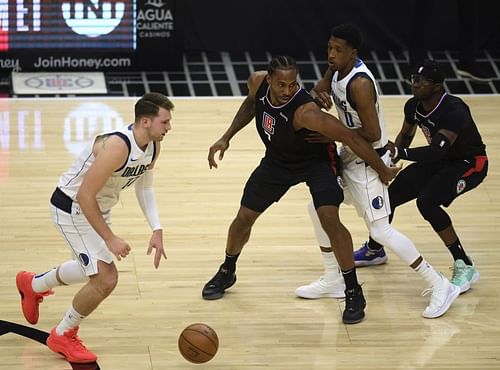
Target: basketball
{"points": [[198, 343]]}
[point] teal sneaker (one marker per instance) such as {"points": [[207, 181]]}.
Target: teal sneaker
{"points": [[464, 275]]}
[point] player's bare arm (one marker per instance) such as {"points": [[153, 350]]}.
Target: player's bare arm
{"points": [[243, 117], [110, 153], [405, 136], [363, 94], [321, 92], [311, 117]]}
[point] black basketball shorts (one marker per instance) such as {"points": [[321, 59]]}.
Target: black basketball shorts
{"points": [[271, 180]]}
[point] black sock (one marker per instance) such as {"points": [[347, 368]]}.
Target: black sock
{"points": [[230, 262], [458, 252], [350, 278], [373, 245]]}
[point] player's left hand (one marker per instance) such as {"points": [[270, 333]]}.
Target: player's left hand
{"points": [[391, 147], [156, 242], [394, 151]]}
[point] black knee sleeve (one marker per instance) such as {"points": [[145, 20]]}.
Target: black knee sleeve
{"points": [[433, 213]]}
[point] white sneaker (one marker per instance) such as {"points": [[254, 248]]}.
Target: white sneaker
{"points": [[443, 295], [322, 288]]}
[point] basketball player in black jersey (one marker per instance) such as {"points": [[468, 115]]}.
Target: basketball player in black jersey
{"points": [[453, 163], [284, 114]]}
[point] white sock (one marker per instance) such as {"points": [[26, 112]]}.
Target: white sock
{"points": [[71, 272], [71, 320], [431, 276], [43, 282], [331, 266]]}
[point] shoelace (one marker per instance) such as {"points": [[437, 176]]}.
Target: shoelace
{"points": [[220, 276], [349, 299], [427, 291], [456, 271], [435, 293], [75, 340]]}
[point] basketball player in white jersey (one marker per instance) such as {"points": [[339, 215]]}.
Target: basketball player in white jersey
{"points": [[354, 92], [81, 211]]}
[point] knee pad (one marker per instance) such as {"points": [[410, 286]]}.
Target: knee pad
{"points": [[380, 231]]}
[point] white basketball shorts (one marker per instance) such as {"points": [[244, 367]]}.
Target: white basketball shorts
{"points": [[365, 190], [86, 246]]}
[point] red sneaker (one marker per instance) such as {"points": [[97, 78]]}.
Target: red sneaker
{"points": [[30, 300], [70, 346]]}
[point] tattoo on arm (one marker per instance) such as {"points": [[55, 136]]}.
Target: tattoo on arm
{"points": [[244, 115]]}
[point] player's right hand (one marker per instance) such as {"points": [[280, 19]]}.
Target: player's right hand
{"points": [[220, 146], [389, 174], [323, 99], [119, 247]]}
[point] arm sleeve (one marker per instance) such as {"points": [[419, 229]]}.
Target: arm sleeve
{"points": [[146, 197], [431, 153]]}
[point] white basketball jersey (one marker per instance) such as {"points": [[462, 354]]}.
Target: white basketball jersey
{"points": [[137, 163], [346, 108]]}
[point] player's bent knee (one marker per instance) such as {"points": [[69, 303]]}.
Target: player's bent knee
{"points": [[381, 233], [246, 216], [107, 278]]}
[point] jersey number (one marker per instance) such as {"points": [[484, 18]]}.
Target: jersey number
{"points": [[348, 119]]}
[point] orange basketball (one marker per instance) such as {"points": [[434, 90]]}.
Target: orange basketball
{"points": [[198, 343]]}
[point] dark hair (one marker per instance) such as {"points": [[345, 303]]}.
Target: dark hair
{"points": [[431, 70], [281, 62], [350, 33], [150, 103]]}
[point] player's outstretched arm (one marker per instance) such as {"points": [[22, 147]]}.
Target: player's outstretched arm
{"points": [[311, 117], [245, 114]]}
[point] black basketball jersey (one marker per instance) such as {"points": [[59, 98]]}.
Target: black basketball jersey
{"points": [[283, 143], [451, 113]]}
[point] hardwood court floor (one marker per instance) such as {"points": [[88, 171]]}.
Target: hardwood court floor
{"points": [[260, 323]]}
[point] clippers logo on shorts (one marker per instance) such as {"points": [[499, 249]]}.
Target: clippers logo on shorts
{"points": [[461, 186], [378, 202], [84, 258], [268, 123]]}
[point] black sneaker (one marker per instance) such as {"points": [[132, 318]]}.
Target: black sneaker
{"points": [[222, 280], [354, 306]]}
